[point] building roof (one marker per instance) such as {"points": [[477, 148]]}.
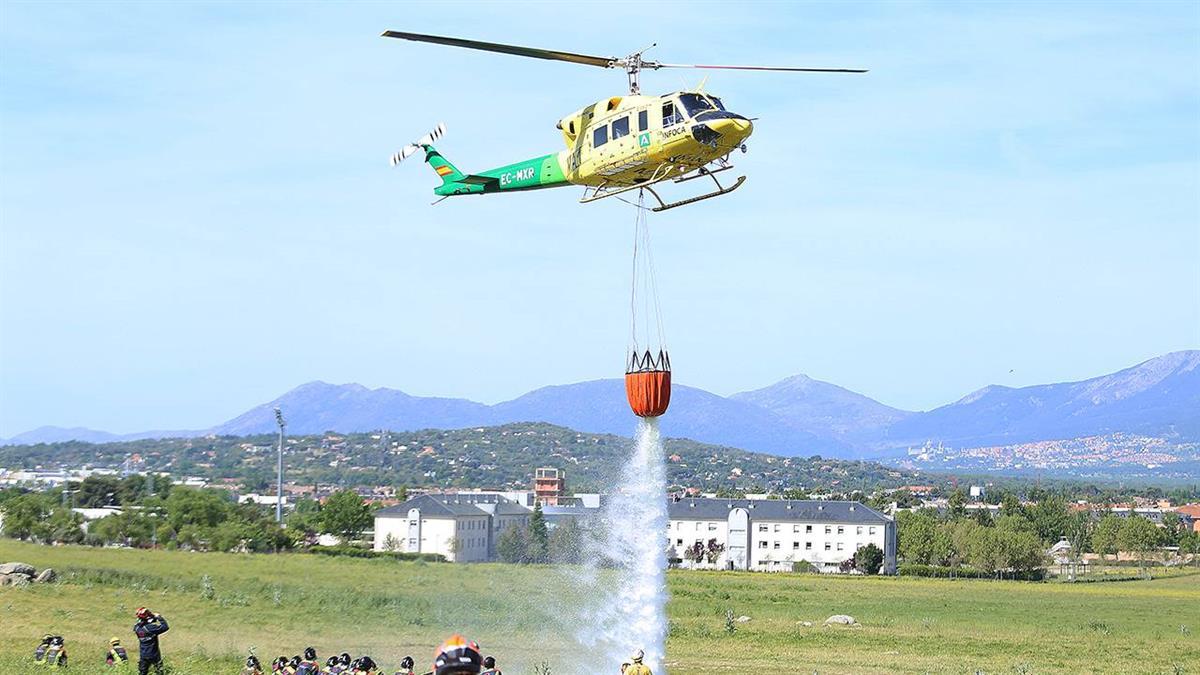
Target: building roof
{"points": [[453, 505], [775, 510]]}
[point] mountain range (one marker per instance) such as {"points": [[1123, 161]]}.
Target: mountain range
{"points": [[796, 416]]}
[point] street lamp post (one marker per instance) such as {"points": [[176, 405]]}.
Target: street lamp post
{"points": [[279, 477]]}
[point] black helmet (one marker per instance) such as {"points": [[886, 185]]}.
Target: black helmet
{"points": [[279, 662], [345, 659], [489, 662], [57, 640], [252, 661], [457, 656], [366, 663], [331, 662], [310, 654], [295, 662], [407, 663]]}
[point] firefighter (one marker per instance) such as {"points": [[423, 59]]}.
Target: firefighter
{"points": [[490, 668], [309, 665], [637, 667], [253, 667], [117, 656], [147, 629], [56, 655], [457, 656], [39, 654]]}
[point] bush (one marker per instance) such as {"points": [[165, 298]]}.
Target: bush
{"points": [[944, 572], [355, 552]]}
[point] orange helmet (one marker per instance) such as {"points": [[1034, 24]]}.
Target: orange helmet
{"points": [[457, 656], [144, 613]]}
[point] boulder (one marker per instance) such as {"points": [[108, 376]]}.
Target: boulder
{"points": [[17, 568], [840, 620], [16, 580], [48, 576]]}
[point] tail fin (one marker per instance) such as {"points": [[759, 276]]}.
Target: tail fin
{"points": [[447, 171]]}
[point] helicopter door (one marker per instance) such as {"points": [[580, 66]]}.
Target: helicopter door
{"points": [[600, 149], [674, 128], [624, 144]]}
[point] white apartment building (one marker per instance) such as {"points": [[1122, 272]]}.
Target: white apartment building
{"points": [[773, 534], [461, 527]]}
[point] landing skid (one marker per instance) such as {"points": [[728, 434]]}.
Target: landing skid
{"points": [[661, 174]]}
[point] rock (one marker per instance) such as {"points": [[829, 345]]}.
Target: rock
{"points": [[742, 619], [47, 576], [840, 619], [806, 624], [17, 568], [15, 580]]}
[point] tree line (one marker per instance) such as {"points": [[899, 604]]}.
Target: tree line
{"points": [[154, 513], [1016, 540]]}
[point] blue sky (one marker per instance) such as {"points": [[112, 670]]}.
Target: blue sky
{"points": [[196, 210]]}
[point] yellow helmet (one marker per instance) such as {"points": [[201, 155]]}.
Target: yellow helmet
{"points": [[114, 641]]}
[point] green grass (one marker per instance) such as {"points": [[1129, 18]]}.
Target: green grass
{"points": [[280, 604]]}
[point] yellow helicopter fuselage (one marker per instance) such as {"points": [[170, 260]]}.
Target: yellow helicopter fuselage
{"points": [[618, 142], [626, 140]]}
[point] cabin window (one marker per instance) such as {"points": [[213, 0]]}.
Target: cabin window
{"points": [[643, 120], [620, 127], [600, 136], [671, 117]]}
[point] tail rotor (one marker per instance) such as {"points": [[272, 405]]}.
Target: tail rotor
{"points": [[426, 140]]}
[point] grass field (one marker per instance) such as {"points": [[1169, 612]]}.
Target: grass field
{"points": [[279, 604]]}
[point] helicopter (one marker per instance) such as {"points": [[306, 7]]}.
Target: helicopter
{"points": [[615, 145]]}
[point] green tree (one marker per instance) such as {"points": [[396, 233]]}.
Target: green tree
{"points": [[539, 537], [305, 518], [1050, 517], [956, 504], [23, 513], [197, 506], [346, 515], [64, 526], [566, 543], [1105, 535], [916, 532], [868, 559], [513, 545], [1139, 536], [97, 491], [1172, 528]]}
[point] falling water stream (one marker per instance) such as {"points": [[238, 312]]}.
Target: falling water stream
{"points": [[623, 587]]}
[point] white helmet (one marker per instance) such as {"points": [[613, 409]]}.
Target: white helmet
{"points": [[638, 656]]}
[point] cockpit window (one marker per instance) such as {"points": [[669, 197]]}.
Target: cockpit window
{"points": [[695, 103]]}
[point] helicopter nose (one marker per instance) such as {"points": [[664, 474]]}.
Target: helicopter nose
{"points": [[733, 130]]}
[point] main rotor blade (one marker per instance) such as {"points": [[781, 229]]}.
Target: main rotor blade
{"points": [[515, 50], [656, 66]]}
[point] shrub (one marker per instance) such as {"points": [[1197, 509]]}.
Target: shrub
{"points": [[356, 552]]}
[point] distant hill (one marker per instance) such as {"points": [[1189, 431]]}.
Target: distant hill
{"points": [[317, 407], [1159, 397], [502, 456], [823, 408], [798, 416], [598, 406]]}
